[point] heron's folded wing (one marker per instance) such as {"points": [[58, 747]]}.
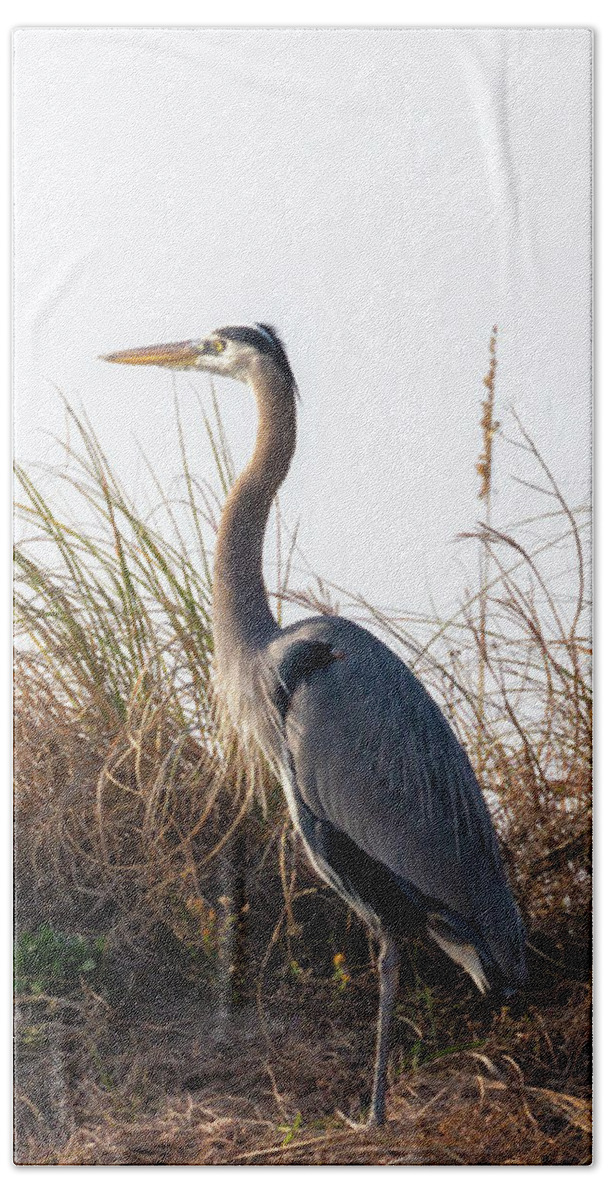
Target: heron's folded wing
{"points": [[373, 755]]}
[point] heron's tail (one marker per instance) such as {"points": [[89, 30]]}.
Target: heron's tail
{"points": [[496, 964], [463, 953]]}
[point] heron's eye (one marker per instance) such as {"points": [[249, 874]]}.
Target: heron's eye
{"points": [[216, 346], [219, 346]]}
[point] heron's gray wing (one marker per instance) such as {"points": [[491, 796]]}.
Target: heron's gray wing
{"points": [[373, 755]]}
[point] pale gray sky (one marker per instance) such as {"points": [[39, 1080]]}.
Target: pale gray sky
{"points": [[382, 196]]}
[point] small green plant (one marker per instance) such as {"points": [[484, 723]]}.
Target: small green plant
{"points": [[290, 1131], [33, 1036], [47, 960], [295, 971]]}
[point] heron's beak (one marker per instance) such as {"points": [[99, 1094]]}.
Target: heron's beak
{"points": [[177, 356]]}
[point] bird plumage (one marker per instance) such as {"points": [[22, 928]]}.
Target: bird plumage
{"points": [[372, 757], [378, 786]]}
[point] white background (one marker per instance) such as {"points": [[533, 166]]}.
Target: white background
{"points": [[266, 1181], [383, 196]]}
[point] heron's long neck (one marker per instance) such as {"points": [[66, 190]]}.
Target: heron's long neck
{"points": [[242, 619]]}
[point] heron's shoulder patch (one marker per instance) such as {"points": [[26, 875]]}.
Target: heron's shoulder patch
{"points": [[300, 660]]}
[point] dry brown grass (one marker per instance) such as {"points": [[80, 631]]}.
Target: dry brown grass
{"points": [[167, 1057], [151, 1078], [219, 1026]]}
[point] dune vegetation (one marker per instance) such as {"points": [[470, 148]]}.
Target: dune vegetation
{"points": [[187, 991]]}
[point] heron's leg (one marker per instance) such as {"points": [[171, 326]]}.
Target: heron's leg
{"points": [[388, 971]]}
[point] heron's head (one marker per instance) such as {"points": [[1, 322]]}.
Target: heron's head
{"points": [[238, 351]]}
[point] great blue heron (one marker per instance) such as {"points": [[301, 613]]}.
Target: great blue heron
{"points": [[378, 787]]}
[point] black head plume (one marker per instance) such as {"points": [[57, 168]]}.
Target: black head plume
{"points": [[265, 339]]}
